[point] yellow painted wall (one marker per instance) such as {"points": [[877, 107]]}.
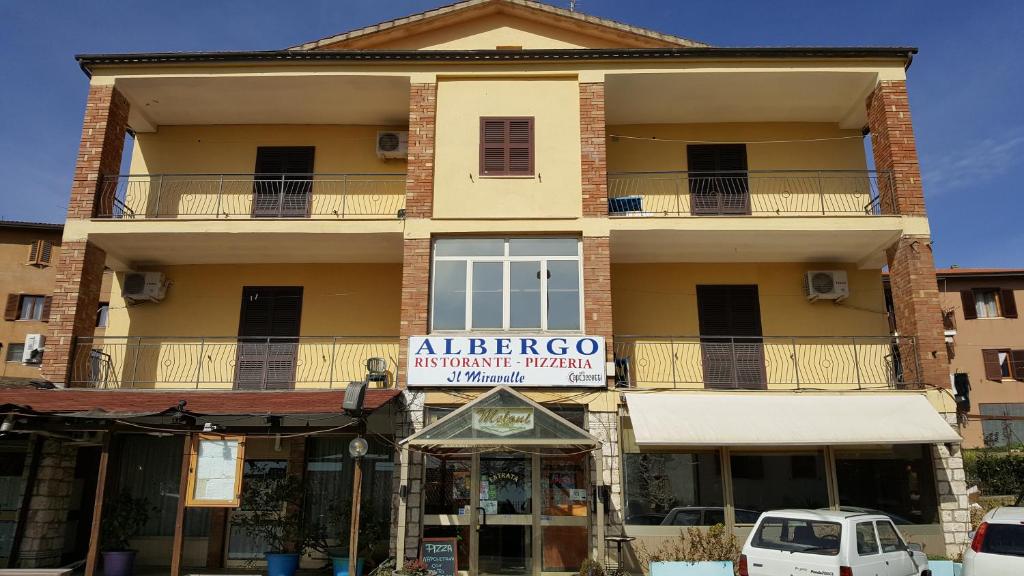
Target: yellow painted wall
{"points": [[460, 191], [784, 192], [232, 150], [490, 31], [205, 301], [658, 300], [17, 277]]}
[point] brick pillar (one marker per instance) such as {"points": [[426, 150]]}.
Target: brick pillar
{"points": [[415, 297], [76, 297], [419, 179], [597, 292], [915, 291], [99, 152], [43, 540], [593, 145]]}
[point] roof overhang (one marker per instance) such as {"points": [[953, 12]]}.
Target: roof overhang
{"points": [[765, 419]]}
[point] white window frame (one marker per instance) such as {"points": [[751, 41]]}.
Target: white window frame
{"points": [[31, 305], [506, 260]]}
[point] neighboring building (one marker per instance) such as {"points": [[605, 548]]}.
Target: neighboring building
{"points": [[573, 258], [986, 341]]}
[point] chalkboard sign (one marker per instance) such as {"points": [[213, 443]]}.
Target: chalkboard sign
{"points": [[441, 555]]}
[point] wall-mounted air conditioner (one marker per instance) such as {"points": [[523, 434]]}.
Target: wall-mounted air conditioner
{"points": [[33, 351], [144, 287], [392, 144], [826, 285]]}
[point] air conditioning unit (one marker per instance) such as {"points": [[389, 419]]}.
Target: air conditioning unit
{"points": [[392, 144], [144, 286], [33, 351], [826, 285]]}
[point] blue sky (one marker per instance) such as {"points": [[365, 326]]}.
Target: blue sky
{"points": [[965, 85]]}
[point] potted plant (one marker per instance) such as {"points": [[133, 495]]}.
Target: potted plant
{"points": [[373, 537], [272, 513], [123, 519]]}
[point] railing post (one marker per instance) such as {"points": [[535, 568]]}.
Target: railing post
{"points": [[344, 194], [220, 195], [672, 358], [266, 362], [679, 197], [732, 365], [199, 368], [917, 362], [856, 362], [280, 198], [334, 348], [796, 362], [135, 362], [821, 193], [159, 191]]}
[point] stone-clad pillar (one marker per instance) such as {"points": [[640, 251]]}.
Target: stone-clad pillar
{"points": [[43, 541]]}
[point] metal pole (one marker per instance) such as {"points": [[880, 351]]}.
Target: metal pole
{"points": [[796, 363], [821, 193], [344, 194], [334, 348], [159, 191], [679, 197], [199, 369], [353, 537], [179, 524], [220, 195], [856, 361], [135, 363], [97, 508], [280, 198]]}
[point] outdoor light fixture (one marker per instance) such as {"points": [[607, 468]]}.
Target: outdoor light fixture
{"points": [[358, 447]]}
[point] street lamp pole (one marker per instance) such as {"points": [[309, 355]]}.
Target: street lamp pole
{"points": [[357, 448]]}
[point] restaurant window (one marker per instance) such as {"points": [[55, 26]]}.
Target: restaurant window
{"points": [[506, 284], [678, 489], [150, 468], [896, 481], [777, 480]]}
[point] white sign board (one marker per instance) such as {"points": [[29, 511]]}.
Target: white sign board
{"points": [[448, 361], [215, 471]]}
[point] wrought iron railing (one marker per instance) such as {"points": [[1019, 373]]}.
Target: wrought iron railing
{"points": [[752, 192], [216, 363], [209, 196], [766, 362]]}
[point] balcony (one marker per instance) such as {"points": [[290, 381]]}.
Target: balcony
{"points": [[226, 363], [251, 196], [748, 193], [763, 363]]}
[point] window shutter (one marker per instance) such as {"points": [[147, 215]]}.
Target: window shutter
{"points": [[990, 358], [45, 252], [33, 252], [493, 147], [45, 315], [1009, 303], [1017, 364], [967, 299], [11, 311], [506, 146], [520, 146]]}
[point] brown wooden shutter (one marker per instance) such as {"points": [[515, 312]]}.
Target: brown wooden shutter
{"points": [[1008, 303], [520, 146], [506, 146], [46, 251], [967, 299], [33, 252], [990, 358], [47, 302], [11, 310], [1017, 364]]}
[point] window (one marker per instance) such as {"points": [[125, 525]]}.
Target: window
{"points": [[717, 175], [102, 315], [1003, 364], [683, 489], [283, 184], [506, 284], [506, 146], [15, 352], [40, 252], [797, 535], [1002, 424], [866, 542], [896, 481], [778, 480], [889, 538], [988, 303], [27, 307], [1003, 539]]}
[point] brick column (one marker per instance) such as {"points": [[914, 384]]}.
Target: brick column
{"points": [[80, 267], [593, 161], [915, 291], [43, 541], [597, 292], [419, 179], [415, 297]]}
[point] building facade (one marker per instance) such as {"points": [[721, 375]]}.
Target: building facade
{"points": [[612, 282]]}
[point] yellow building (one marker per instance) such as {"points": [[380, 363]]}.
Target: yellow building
{"points": [[604, 282]]}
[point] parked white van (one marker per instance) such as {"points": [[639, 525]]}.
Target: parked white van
{"points": [[828, 543]]}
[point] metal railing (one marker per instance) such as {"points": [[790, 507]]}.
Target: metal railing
{"points": [[220, 363], [209, 196], [766, 362], [752, 192]]}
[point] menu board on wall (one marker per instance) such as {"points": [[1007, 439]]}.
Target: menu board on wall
{"points": [[215, 471]]}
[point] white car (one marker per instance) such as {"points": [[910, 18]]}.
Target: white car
{"points": [[829, 543], [997, 548]]}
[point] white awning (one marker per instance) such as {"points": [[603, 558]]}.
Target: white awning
{"points": [[766, 419]]}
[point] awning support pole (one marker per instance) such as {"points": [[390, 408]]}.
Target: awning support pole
{"points": [[179, 522], [403, 475], [97, 507], [599, 504]]}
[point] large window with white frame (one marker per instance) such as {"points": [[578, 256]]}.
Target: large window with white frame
{"points": [[506, 284]]}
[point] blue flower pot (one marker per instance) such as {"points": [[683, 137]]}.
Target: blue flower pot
{"points": [[119, 562], [341, 566], [282, 564]]}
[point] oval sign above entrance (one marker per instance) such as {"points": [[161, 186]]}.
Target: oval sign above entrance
{"points": [[445, 361]]}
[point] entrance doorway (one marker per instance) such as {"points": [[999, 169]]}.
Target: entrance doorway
{"points": [[268, 337], [732, 349]]}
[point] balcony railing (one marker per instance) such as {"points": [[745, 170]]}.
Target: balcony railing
{"points": [[753, 192], [765, 363], [211, 196], [224, 363]]}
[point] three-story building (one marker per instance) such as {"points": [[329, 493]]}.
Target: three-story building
{"points": [[603, 281]]}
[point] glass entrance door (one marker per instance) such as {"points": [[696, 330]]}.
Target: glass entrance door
{"points": [[505, 514]]}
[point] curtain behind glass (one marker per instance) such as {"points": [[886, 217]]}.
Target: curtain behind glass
{"points": [[150, 467]]}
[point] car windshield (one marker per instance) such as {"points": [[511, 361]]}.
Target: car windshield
{"points": [[1004, 539], [798, 535]]}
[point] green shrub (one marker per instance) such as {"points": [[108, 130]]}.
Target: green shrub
{"points": [[995, 472], [715, 544]]}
